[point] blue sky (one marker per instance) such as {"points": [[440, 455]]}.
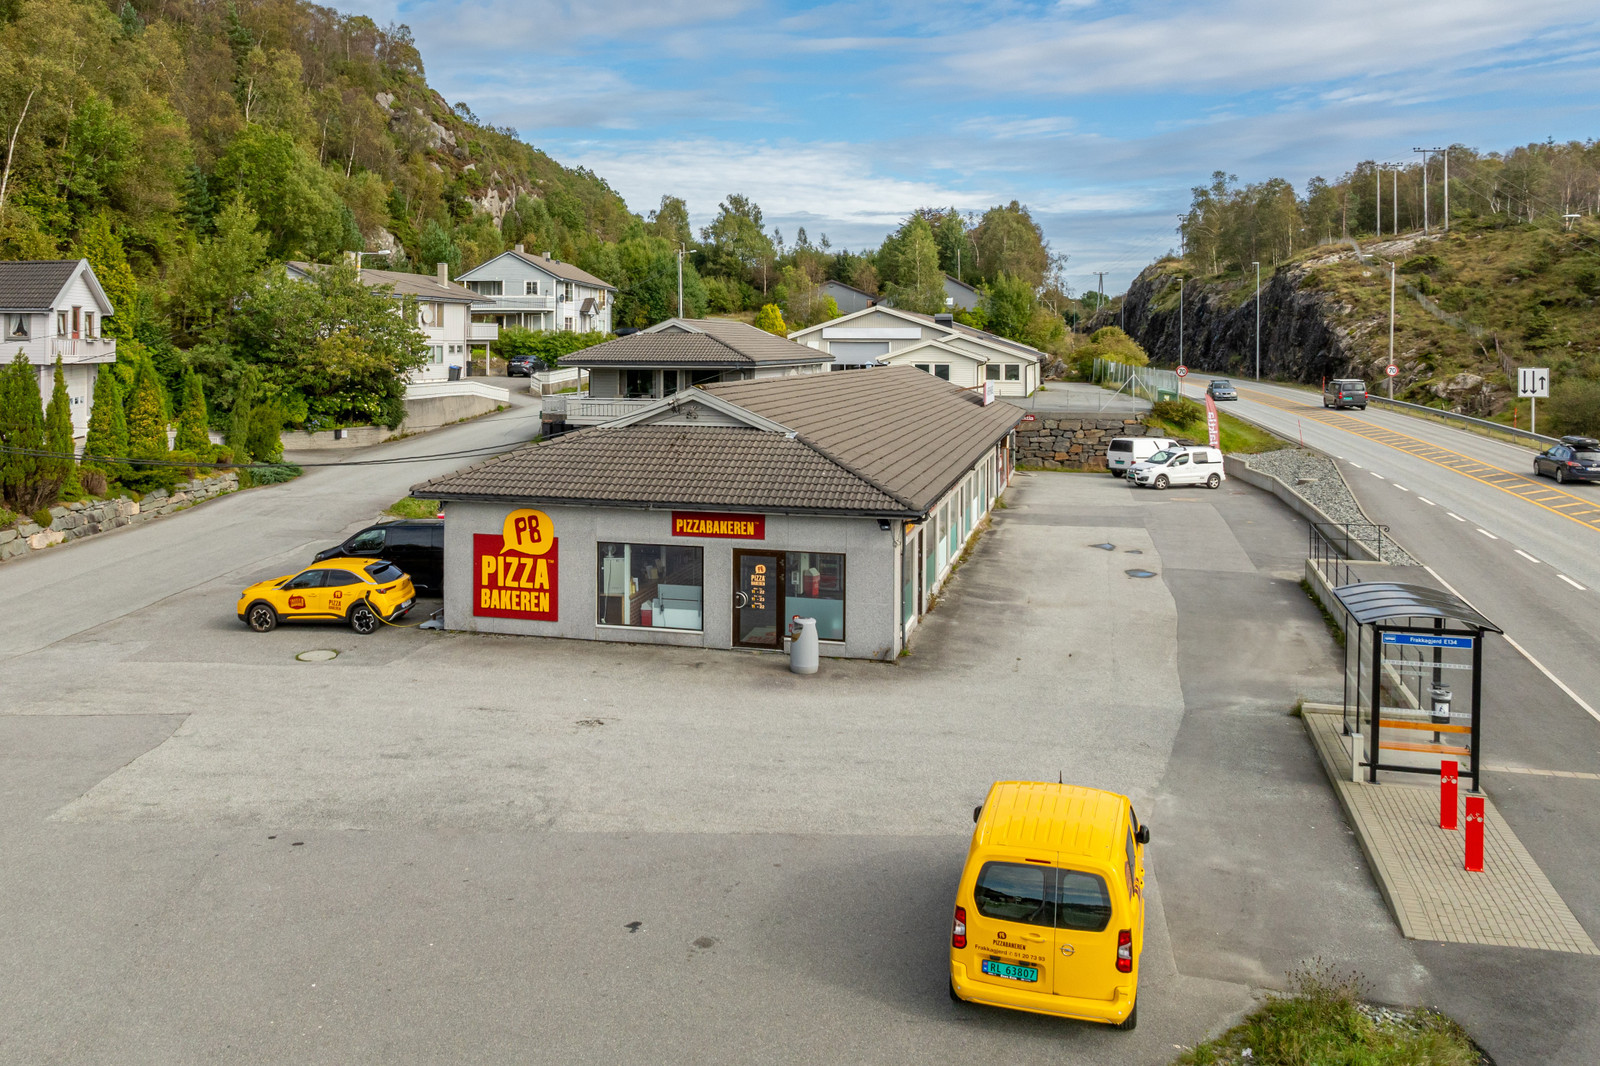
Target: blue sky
{"points": [[1100, 116]]}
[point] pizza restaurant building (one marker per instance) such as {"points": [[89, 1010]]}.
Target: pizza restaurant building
{"points": [[713, 517]]}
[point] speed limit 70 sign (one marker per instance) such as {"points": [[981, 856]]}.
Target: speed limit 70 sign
{"points": [[1533, 381]]}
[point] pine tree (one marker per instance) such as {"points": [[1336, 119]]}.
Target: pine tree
{"points": [[264, 438], [192, 435], [21, 430], [58, 466], [108, 426], [770, 319], [147, 424]]}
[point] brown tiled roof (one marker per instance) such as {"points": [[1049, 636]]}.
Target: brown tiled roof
{"points": [[564, 271], [686, 466], [898, 427], [708, 342], [33, 284], [405, 283]]}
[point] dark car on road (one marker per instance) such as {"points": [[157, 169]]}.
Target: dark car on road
{"points": [[1572, 459], [1222, 389], [523, 365], [415, 545], [1345, 392]]}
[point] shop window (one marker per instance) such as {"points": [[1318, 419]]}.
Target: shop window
{"points": [[649, 585], [816, 590], [991, 372], [1013, 372]]}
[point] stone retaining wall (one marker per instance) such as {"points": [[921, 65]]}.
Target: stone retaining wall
{"points": [[74, 520], [1072, 442]]}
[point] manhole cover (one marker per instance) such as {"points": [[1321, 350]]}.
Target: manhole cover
{"points": [[1105, 547], [321, 655], [1139, 573]]}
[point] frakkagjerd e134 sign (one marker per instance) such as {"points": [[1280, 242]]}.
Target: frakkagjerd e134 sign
{"points": [[708, 524], [514, 574]]}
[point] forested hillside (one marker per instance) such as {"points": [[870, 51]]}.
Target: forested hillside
{"points": [[1514, 282]]}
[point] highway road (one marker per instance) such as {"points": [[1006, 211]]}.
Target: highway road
{"points": [[1526, 552]]}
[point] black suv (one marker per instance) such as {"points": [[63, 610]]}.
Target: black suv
{"points": [[415, 545], [1573, 459], [523, 365]]}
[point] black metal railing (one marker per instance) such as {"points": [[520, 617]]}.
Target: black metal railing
{"points": [[1331, 546]]}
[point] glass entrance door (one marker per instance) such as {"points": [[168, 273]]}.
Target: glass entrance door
{"points": [[758, 599]]}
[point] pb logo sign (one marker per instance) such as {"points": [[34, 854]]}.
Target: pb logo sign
{"points": [[515, 574], [527, 531]]}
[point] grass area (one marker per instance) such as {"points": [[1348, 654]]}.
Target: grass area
{"points": [[407, 507], [1324, 1021], [1237, 436]]}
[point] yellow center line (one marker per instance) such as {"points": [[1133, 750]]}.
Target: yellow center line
{"points": [[1512, 484]]}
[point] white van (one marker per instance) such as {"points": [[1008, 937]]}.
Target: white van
{"points": [[1124, 452], [1180, 466]]}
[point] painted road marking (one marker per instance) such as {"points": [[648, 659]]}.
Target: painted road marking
{"points": [[1375, 474], [1579, 775], [1358, 466], [1522, 553], [1486, 533], [1402, 488], [1571, 582], [1538, 493], [1427, 501], [1457, 517]]}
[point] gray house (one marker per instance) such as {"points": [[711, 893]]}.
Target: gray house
{"points": [[849, 298], [960, 294], [537, 292]]}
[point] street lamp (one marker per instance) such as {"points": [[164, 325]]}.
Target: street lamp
{"points": [[1258, 319]]}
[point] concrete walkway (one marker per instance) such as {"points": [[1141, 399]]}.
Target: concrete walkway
{"points": [[1420, 868]]}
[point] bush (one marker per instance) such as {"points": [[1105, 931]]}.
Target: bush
{"points": [[771, 319], [1573, 407], [7, 517], [42, 517], [547, 346], [410, 507], [93, 481], [275, 474], [1179, 412]]}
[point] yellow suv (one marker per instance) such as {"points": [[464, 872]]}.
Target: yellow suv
{"points": [[1049, 914], [358, 591]]}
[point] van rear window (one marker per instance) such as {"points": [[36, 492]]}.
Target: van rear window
{"points": [[1121, 446], [1042, 895]]}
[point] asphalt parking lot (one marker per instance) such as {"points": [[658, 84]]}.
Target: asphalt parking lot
{"points": [[451, 847]]}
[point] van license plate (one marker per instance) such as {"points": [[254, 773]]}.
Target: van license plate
{"points": [[1010, 971]]}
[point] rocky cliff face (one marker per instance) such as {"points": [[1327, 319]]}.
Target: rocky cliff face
{"points": [[1303, 337]]}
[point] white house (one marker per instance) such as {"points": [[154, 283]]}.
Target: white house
{"points": [[537, 292], [443, 312], [56, 307], [945, 348]]}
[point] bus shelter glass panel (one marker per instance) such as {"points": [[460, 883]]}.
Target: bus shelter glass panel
{"points": [[1427, 699]]}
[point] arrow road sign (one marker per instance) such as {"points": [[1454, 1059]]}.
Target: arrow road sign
{"points": [[1533, 381]]}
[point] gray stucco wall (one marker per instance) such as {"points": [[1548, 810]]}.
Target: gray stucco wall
{"points": [[871, 574]]}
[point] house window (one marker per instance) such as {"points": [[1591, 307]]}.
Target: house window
{"points": [[991, 372], [1013, 372], [638, 384], [88, 323], [61, 323], [487, 288], [649, 585], [530, 288], [77, 320], [669, 382], [602, 298], [816, 590], [566, 291], [568, 321], [19, 327], [436, 353], [704, 377]]}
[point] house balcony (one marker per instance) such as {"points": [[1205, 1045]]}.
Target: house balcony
{"points": [[504, 305], [483, 332], [82, 349], [581, 409]]}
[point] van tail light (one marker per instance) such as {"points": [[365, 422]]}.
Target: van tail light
{"points": [[958, 931], [1124, 951]]}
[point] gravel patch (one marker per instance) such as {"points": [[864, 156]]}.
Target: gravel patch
{"points": [[1314, 478]]}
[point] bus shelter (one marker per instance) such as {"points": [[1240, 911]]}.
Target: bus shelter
{"points": [[1413, 678]]}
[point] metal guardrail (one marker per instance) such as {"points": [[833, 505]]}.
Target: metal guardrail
{"points": [[1330, 547], [1468, 419]]}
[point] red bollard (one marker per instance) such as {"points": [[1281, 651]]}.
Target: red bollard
{"points": [[1448, 775], [1475, 834]]}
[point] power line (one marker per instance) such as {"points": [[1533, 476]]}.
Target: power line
{"points": [[468, 453]]}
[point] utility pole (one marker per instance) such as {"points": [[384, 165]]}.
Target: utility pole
{"points": [[1180, 320], [1425, 153], [1394, 170], [1391, 328], [1446, 153], [1258, 320], [1377, 182], [680, 281]]}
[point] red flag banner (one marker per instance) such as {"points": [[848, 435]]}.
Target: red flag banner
{"points": [[1211, 422]]}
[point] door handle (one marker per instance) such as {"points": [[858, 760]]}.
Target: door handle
{"points": [[739, 599], [1033, 936]]}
